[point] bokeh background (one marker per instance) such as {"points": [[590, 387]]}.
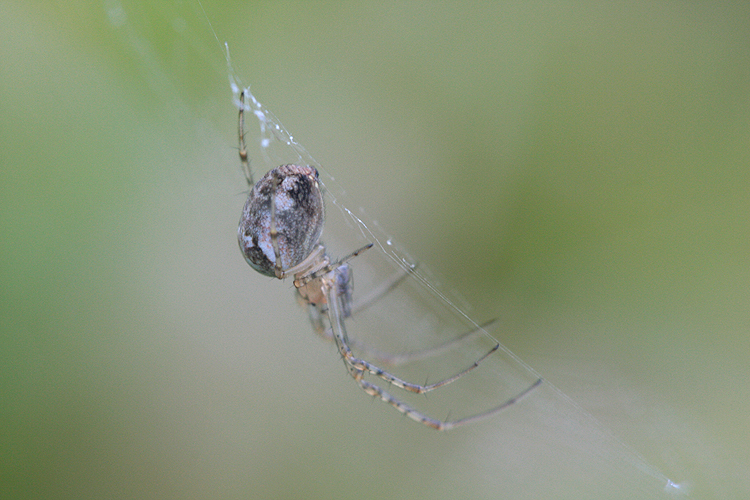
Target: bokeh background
{"points": [[579, 170]]}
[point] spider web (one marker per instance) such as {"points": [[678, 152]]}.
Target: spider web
{"points": [[415, 316]]}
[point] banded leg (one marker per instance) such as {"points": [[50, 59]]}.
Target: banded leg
{"points": [[357, 369]]}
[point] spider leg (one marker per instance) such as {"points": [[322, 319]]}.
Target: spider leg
{"points": [[366, 366], [243, 148], [336, 317], [391, 359], [315, 315], [440, 425], [382, 290], [352, 309], [378, 392], [301, 281], [399, 359], [357, 368], [402, 358], [341, 276]]}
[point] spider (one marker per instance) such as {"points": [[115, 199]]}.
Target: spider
{"points": [[279, 236]]}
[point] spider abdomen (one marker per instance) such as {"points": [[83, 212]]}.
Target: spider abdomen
{"points": [[299, 214]]}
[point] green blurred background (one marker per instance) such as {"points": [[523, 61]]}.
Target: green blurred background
{"points": [[578, 169]]}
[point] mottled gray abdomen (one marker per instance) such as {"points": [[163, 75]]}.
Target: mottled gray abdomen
{"points": [[299, 217]]}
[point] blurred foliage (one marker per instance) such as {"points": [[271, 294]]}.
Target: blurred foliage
{"points": [[579, 170]]}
